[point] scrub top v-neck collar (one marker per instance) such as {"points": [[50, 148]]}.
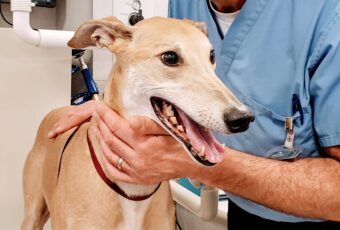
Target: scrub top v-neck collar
{"points": [[215, 35], [237, 32], [214, 19]]}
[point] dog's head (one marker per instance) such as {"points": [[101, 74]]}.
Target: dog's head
{"points": [[165, 70]]}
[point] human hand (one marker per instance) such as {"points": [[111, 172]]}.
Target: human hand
{"points": [[150, 154], [75, 116]]}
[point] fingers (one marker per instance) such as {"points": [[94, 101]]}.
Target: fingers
{"points": [[124, 128], [111, 142], [74, 117], [109, 161], [146, 126], [115, 174], [115, 123]]}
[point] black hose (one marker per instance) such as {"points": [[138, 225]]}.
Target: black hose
{"points": [[2, 15]]}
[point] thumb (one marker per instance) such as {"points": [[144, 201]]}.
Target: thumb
{"points": [[146, 126]]}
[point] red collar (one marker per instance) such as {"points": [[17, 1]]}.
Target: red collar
{"points": [[109, 183]]}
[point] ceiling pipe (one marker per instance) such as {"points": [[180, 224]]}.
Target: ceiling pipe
{"points": [[42, 38]]}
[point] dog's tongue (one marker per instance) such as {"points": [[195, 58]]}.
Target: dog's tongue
{"points": [[199, 137]]}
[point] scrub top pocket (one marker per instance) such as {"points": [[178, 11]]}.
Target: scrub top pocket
{"points": [[269, 130]]}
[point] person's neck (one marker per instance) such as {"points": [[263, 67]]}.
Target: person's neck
{"points": [[227, 6]]}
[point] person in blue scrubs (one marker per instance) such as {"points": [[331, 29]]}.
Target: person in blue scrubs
{"points": [[281, 59]]}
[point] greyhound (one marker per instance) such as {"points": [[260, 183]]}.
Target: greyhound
{"points": [[164, 70]]}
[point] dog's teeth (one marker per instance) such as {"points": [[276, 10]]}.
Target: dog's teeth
{"points": [[202, 152], [170, 111], [173, 120], [167, 110], [180, 128], [223, 145]]}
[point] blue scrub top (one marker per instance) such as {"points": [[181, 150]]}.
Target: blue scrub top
{"points": [[275, 49]]}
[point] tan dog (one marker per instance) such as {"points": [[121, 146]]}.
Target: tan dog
{"points": [[164, 70]]}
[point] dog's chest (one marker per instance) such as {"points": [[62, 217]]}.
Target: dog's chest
{"points": [[133, 213]]}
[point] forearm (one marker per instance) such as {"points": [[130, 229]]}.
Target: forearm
{"points": [[308, 187]]}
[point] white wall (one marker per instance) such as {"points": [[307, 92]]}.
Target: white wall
{"points": [[71, 13], [33, 81], [102, 59]]}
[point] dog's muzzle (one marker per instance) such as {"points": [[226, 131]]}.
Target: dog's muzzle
{"points": [[238, 120]]}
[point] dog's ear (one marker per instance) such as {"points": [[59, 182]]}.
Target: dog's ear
{"points": [[202, 26], [107, 32]]}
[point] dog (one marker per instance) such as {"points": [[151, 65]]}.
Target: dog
{"points": [[164, 70]]}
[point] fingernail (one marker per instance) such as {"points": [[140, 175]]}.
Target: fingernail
{"points": [[50, 134]]}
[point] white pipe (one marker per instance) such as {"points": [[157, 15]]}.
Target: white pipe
{"points": [[45, 38], [55, 38], [205, 207], [23, 29]]}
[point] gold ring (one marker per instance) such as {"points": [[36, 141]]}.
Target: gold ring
{"points": [[120, 163]]}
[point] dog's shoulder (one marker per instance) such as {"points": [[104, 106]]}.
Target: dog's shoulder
{"points": [[52, 117], [49, 122]]}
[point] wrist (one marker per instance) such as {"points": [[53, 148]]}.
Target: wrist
{"points": [[201, 172], [210, 174], [206, 174]]}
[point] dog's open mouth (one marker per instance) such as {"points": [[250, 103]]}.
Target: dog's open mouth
{"points": [[199, 140]]}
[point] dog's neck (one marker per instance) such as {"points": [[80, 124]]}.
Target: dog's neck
{"points": [[116, 93], [124, 95], [113, 90]]}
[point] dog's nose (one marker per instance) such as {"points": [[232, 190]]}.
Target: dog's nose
{"points": [[238, 120]]}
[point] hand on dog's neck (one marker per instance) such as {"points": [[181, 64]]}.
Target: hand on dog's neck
{"points": [[227, 6]]}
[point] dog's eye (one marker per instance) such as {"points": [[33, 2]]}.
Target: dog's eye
{"points": [[170, 58], [212, 57]]}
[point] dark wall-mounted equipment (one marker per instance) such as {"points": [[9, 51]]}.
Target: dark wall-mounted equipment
{"points": [[45, 3]]}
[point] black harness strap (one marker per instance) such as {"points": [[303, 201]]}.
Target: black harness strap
{"points": [[65, 146]]}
